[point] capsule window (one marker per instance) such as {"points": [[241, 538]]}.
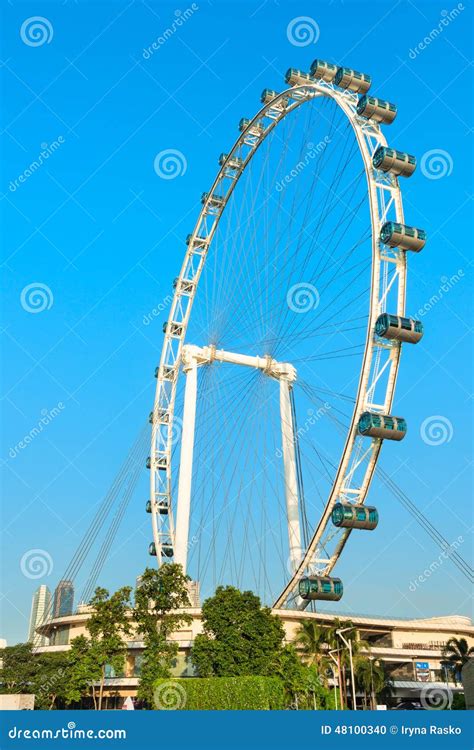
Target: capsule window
{"points": [[393, 320], [406, 324], [418, 326]]}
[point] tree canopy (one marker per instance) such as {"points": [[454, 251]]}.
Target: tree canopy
{"points": [[240, 637]]}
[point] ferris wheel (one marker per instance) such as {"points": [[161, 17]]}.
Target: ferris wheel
{"points": [[281, 351]]}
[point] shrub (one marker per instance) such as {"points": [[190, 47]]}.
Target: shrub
{"points": [[220, 694]]}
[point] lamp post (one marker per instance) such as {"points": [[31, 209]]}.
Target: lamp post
{"points": [[336, 662], [371, 659], [349, 646]]}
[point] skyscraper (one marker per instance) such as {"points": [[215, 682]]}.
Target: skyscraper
{"points": [[63, 599], [40, 610]]}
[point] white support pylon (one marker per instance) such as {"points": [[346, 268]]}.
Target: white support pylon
{"points": [[289, 462], [186, 463], [192, 357]]}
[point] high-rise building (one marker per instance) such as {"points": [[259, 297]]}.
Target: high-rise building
{"points": [[63, 599], [40, 611]]}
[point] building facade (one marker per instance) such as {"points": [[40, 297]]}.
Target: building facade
{"points": [[63, 599], [40, 611], [411, 650]]}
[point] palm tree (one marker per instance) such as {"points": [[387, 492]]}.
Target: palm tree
{"points": [[370, 678], [313, 641], [456, 653]]}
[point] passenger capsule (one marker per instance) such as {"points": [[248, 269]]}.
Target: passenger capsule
{"points": [[161, 414], [323, 70], [168, 372], [162, 507], [346, 78], [174, 329], [401, 235], [398, 328], [162, 463], [184, 286], [267, 95], [148, 463], [256, 129], [397, 162], [215, 201], [355, 516], [297, 77], [376, 109], [234, 163], [382, 426], [166, 549], [197, 242], [320, 587]]}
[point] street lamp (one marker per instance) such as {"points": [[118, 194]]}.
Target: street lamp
{"points": [[336, 662], [371, 659], [349, 646]]}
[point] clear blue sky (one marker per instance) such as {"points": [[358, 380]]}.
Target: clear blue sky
{"points": [[104, 233]]}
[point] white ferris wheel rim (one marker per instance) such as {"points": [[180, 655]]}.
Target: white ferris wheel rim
{"points": [[385, 203]]}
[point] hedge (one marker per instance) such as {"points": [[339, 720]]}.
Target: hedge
{"points": [[220, 694]]}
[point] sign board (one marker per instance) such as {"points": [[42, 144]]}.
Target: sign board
{"points": [[422, 670]]}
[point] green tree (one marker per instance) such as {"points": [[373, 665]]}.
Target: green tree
{"points": [[108, 625], [456, 653], [83, 671], [18, 670], [370, 678], [240, 636], [159, 601], [304, 685], [314, 642], [51, 673]]}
